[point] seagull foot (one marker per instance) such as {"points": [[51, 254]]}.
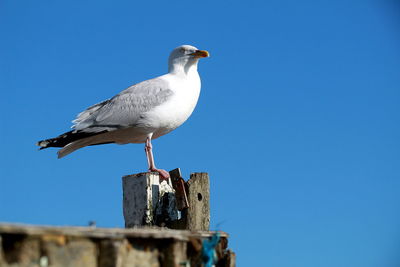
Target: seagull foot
{"points": [[164, 175]]}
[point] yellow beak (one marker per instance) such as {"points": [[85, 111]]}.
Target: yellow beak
{"points": [[200, 53]]}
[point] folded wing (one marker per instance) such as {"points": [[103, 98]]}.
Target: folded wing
{"points": [[124, 109]]}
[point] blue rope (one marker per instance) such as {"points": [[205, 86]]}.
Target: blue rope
{"points": [[208, 254]]}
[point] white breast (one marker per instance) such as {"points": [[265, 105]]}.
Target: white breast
{"points": [[179, 107]]}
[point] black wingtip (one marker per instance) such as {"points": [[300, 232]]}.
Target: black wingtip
{"points": [[43, 144], [65, 139]]}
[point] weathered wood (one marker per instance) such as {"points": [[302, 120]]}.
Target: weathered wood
{"points": [[27, 245], [198, 213], [229, 259], [2, 260], [138, 197], [22, 249], [115, 233], [109, 252], [165, 210], [76, 252], [139, 253], [147, 200], [175, 254]]}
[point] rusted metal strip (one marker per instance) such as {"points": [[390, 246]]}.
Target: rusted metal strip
{"points": [[179, 186]]}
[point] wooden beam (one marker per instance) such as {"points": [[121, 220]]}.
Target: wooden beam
{"points": [[91, 232], [29, 245]]}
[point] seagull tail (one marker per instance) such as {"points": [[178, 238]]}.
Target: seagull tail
{"points": [[69, 141], [71, 147]]}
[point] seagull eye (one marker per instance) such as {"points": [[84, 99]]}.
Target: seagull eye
{"points": [[183, 50]]}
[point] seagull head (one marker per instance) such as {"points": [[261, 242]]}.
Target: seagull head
{"points": [[184, 58]]}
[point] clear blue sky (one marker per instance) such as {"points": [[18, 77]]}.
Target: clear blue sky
{"points": [[297, 123]]}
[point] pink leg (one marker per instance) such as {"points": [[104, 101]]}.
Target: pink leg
{"points": [[150, 160]]}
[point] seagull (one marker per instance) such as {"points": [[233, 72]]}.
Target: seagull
{"points": [[140, 113]]}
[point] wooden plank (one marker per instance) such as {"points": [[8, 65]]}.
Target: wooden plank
{"points": [[45, 248], [230, 258], [77, 252], [22, 249], [198, 213], [114, 233], [109, 252], [175, 254]]}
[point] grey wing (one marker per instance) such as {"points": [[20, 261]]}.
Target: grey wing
{"points": [[124, 109]]}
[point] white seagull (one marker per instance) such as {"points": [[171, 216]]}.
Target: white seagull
{"points": [[140, 113]]}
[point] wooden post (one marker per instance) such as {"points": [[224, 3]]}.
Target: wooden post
{"points": [[174, 203], [198, 212], [147, 201]]}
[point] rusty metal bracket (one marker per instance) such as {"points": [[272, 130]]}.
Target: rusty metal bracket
{"points": [[179, 185]]}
